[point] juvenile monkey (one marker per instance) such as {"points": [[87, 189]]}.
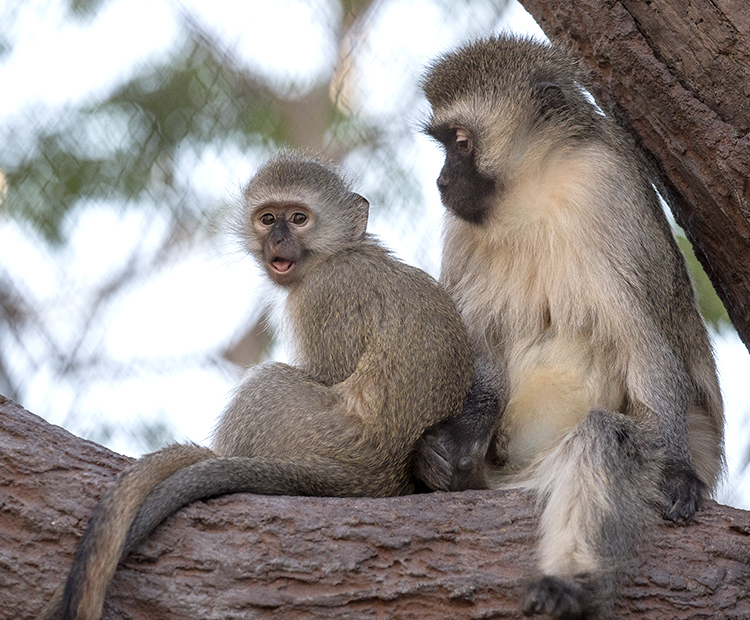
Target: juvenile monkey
{"points": [[381, 355], [565, 271]]}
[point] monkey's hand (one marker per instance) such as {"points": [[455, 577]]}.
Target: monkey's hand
{"points": [[684, 492], [432, 461]]}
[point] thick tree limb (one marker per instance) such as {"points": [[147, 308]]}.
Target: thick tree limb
{"points": [[461, 555], [677, 74]]}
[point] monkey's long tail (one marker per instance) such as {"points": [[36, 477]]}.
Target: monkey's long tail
{"points": [[94, 566], [102, 544], [221, 476]]}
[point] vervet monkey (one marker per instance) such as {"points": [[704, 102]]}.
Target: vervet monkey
{"points": [[565, 271], [381, 354]]}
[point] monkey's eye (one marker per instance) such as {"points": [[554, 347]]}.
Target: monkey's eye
{"points": [[267, 219], [298, 219], [463, 140]]}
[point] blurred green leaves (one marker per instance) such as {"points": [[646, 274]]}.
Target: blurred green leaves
{"points": [[125, 147], [710, 305], [85, 9]]}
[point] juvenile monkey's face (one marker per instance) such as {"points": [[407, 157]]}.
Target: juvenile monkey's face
{"points": [[281, 229], [463, 188]]}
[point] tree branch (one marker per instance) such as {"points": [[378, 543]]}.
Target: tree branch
{"points": [[424, 556]]}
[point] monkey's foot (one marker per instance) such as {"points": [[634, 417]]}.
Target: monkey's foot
{"points": [[447, 460], [432, 462], [557, 597], [685, 492]]}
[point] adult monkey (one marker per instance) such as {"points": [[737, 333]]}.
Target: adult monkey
{"points": [[564, 268], [381, 355]]}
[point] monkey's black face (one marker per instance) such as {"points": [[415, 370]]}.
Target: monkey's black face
{"points": [[463, 189], [281, 228]]}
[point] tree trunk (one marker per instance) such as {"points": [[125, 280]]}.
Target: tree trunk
{"points": [[677, 75], [457, 555]]}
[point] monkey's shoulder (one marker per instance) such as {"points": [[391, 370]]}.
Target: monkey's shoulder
{"points": [[368, 269], [364, 288], [361, 303], [344, 297]]}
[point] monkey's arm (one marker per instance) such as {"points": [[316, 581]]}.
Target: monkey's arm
{"points": [[659, 397], [671, 379], [451, 456]]}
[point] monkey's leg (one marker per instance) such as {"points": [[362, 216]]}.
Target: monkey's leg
{"points": [[280, 412], [451, 456], [600, 487]]}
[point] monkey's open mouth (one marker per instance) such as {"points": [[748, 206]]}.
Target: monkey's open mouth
{"points": [[282, 265]]}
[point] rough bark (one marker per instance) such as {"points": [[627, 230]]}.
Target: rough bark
{"points": [[677, 74], [460, 555]]}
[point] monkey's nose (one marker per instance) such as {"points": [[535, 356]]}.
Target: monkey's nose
{"points": [[277, 238]]}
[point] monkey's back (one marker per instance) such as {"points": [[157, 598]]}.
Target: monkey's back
{"points": [[388, 333]]}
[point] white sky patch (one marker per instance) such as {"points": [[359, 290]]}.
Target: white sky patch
{"points": [[218, 172], [520, 20], [57, 60], [32, 267], [193, 304], [103, 237], [391, 34], [733, 361], [285, 41]]}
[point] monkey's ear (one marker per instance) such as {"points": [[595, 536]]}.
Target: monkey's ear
{"points": [[551, 96], [360, 210]]}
